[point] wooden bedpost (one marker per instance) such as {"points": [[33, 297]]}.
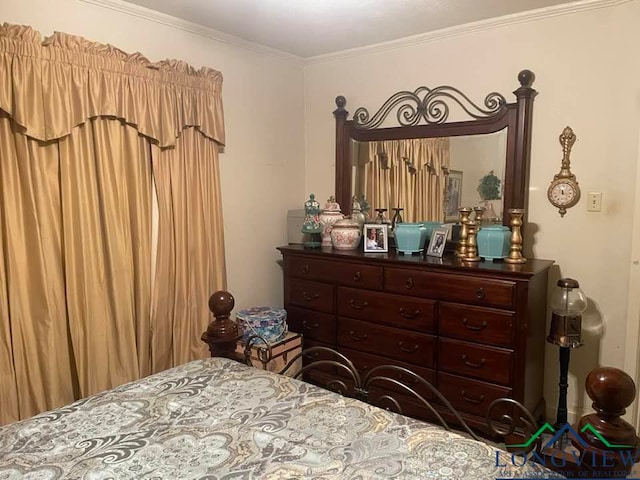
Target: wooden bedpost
{"points": [[222, 333], [612, 391]]}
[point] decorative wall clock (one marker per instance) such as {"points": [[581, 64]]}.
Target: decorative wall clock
{"points": [[564, 191]]}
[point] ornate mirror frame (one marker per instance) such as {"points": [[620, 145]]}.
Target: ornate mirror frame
{"points": [[431, 108]]}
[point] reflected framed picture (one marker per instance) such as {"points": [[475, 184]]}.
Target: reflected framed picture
{"points": [[376, 238], [453, 196], [437, 242]]}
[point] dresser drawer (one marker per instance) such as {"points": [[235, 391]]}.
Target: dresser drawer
{"points": [[312, 295], [365, 362], [471, 396], [415, 348], [482, 325], [341, 273], [312, 325], [394, 310], [473, 360], [454, 288]]}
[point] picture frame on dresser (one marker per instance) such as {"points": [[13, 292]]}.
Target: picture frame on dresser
{"points": [[438, 242], [376, 238]]}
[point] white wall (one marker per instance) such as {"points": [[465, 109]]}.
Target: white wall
{"points": [[587, 77], [262, 168]]}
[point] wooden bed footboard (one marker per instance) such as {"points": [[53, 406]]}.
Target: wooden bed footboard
{"points": [[599, 445]]}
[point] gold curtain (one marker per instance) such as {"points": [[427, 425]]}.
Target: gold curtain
{"points": [[409, 174], [190, 213], [84, 128]]}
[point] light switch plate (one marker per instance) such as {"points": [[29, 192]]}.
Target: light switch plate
{"points": [[594, 201]]}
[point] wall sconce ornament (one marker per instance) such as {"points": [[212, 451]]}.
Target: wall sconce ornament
{"points": [[564, 191]]}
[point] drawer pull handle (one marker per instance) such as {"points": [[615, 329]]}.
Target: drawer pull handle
{"points": [[471, 364], [409, 283], [357, 276], [475, 328], [480, 294], [310, 298], [353, 304], [305, 268], [353, 335], [475, 401], [409, 316], [408, 349], [306, 326]]}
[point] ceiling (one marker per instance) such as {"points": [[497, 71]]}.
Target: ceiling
{"points": [[307, 28]]}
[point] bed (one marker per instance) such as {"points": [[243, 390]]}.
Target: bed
{"points": [[220, 419]]}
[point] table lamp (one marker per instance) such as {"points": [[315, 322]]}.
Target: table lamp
{"points": [[567, 304]]}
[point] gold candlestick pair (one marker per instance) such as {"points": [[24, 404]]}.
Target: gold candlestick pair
{"points": [[467, 248]]}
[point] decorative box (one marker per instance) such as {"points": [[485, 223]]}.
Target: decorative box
{"points": [[281, 351], [268, 322]]}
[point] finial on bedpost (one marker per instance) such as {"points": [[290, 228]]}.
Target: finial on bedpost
{"points": [[612, 391], [222, 333]]}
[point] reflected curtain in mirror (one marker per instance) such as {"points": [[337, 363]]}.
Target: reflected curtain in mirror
{"points": [[82, 128], [409, 174]]}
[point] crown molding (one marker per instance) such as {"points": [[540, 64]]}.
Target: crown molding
{"points": [[190, 27], [481, 25]]}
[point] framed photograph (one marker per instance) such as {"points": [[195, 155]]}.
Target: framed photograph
{"points": [[376, 238], [437, 242], [453, 196]]}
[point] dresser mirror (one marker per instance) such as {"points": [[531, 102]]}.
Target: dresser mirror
{"points": [[429, 166]]}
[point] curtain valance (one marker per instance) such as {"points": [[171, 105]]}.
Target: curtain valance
{"points": [[418, 153], [51, 86]]}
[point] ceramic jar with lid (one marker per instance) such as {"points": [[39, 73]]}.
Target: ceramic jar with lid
{"points": [[330, 215], [345, 234], [494, 242]]}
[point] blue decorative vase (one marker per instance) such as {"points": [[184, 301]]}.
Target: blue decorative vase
{"points": [[494, 242], [410, 237]]}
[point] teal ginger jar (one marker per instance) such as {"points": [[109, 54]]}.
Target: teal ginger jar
{"points": [[494, 242], [410, 237]]}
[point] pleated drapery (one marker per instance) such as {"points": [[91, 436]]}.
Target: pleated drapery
{"points": [[409, 174], [86, 133]]}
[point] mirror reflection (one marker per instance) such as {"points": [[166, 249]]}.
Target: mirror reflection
{"points": [[429, 178]]}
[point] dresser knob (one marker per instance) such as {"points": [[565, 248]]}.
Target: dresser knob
{"points": [[409, 316], [310, 298], [353, 335], [353, 304], [471, 364], [408, 349], [357, 276], [480, 294], [468, 399], [475, 328], [305, 268], [409, 283]]}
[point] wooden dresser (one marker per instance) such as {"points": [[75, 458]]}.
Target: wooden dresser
{"points": [[476, 331]]}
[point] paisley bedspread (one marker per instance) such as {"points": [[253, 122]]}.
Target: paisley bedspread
{"points": [[216, 419]]}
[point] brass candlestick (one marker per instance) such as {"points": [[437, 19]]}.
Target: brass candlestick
{"points": [[479, 211], [471, 254], [461, 248], [515, 251]]}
